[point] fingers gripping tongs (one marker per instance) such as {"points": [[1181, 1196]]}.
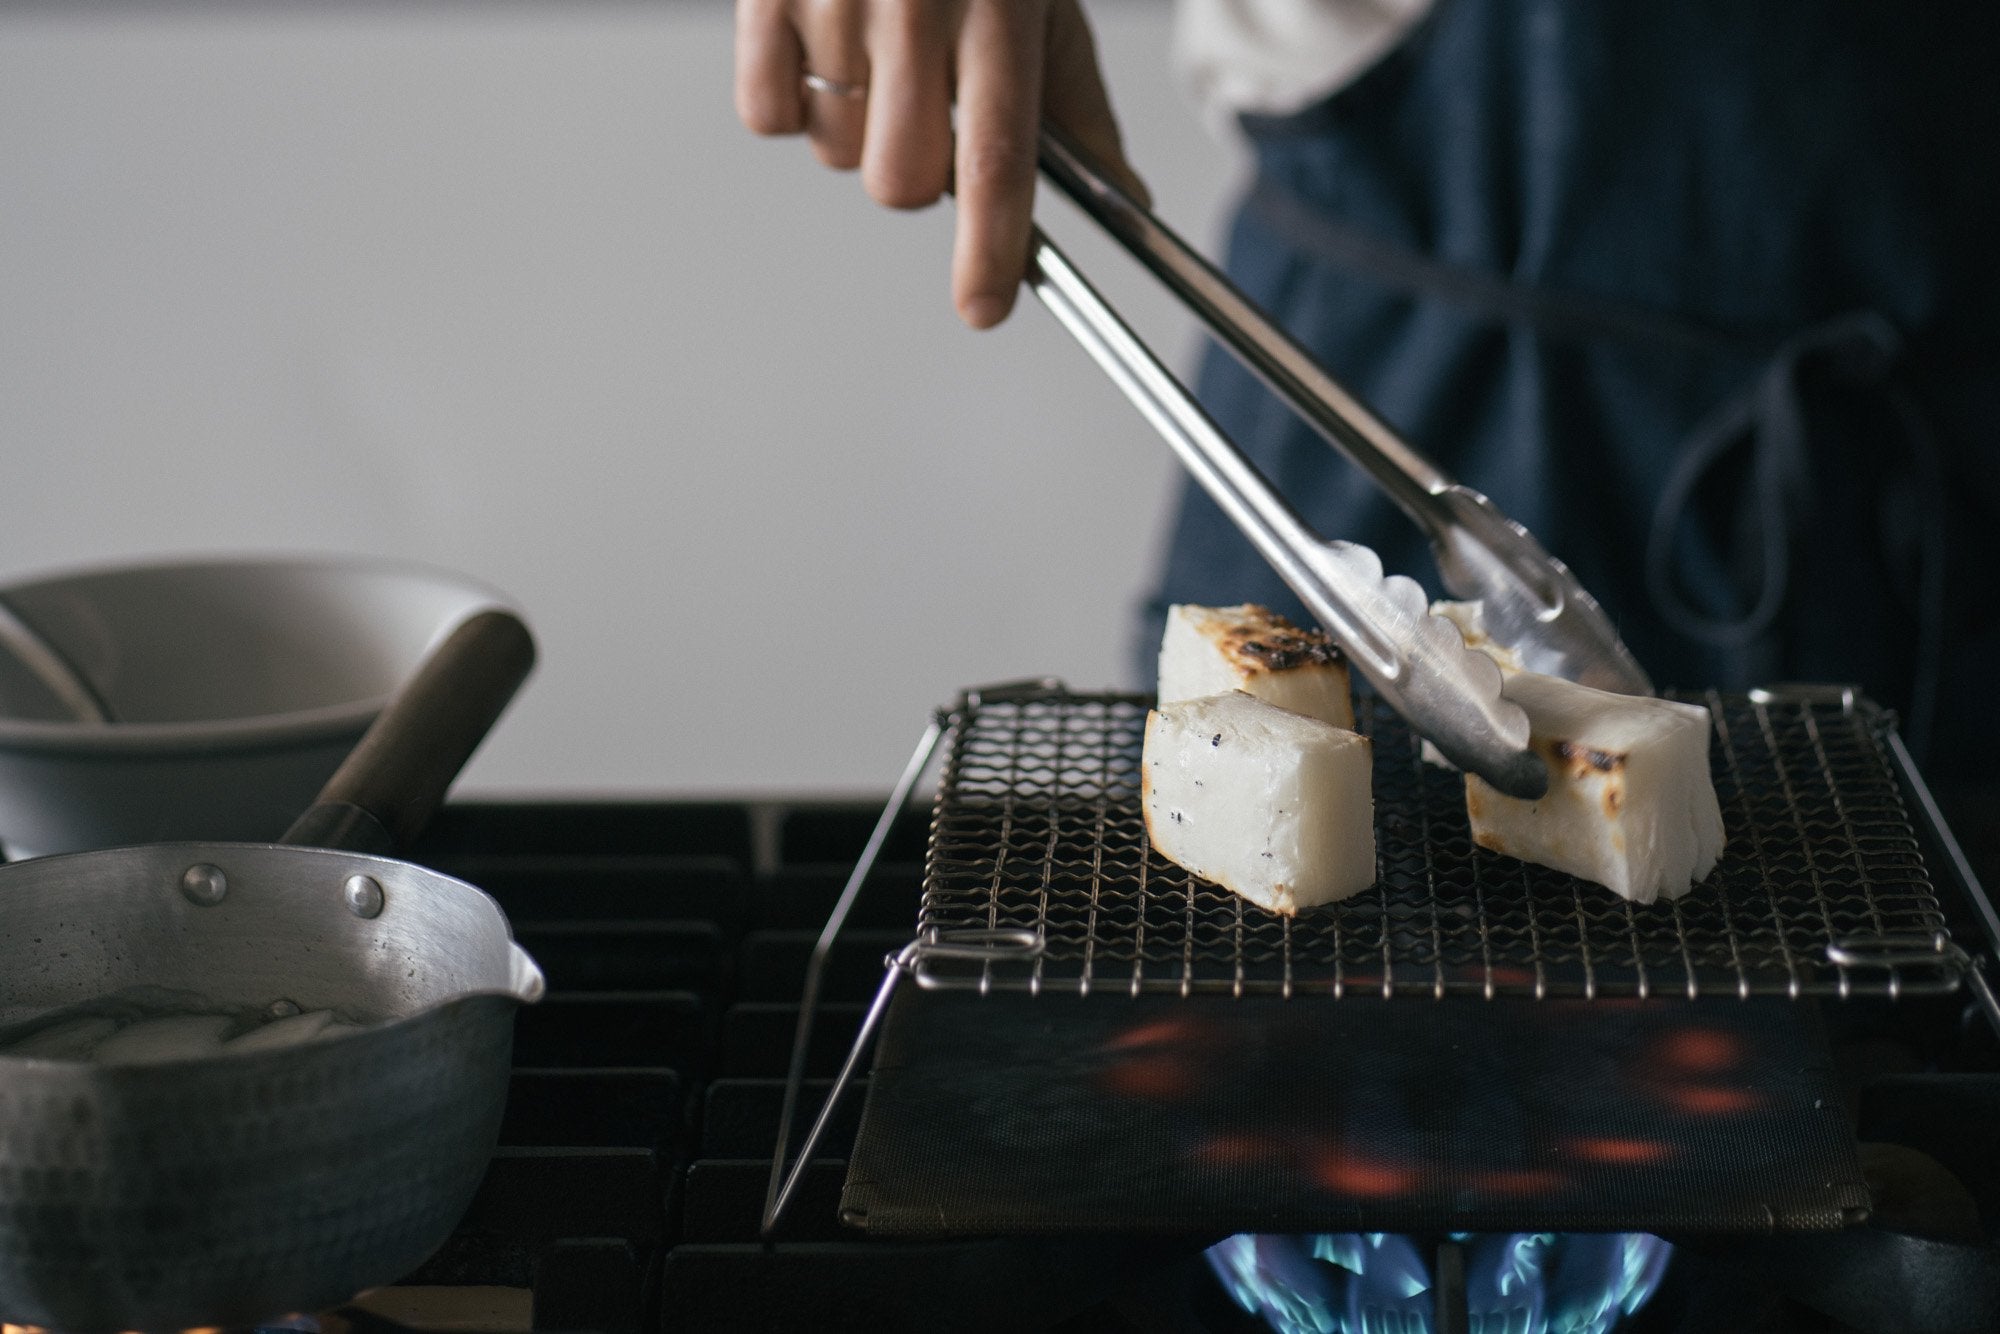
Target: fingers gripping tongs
{"points": [[1418, 662]]}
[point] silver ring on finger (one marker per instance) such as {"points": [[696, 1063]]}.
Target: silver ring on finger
{"points": [[819, 83]]}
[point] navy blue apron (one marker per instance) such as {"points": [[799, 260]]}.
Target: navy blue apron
{"points": [[1703, 292]]}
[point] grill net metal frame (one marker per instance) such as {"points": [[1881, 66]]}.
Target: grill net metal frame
{"points": [[1821, 891]]}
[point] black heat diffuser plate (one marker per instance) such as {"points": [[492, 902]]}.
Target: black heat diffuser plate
{"points": [[1003, 1114]]}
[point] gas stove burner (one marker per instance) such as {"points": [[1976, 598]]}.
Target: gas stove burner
{"points": [[285, 1324], [1490, 1283], [635, 1154]]}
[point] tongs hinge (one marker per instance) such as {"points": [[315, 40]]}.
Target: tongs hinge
{"points": [[1530, 601]]}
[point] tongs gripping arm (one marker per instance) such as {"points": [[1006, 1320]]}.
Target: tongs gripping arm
{"points": [[1416, 661], [1273, 527]]}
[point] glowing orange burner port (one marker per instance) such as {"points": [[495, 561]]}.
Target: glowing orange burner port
{"points": [[1713, 1100], [1369, 1178], [1620, 1152], [1706, 1050], [1160, 1031], [1164, 1077]]}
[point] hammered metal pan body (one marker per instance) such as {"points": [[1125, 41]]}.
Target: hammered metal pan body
{"points": [[231, 1189]]}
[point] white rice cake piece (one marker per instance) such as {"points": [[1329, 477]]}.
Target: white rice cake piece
{"points": [[71, 1040], [1630, 803], [288, 1031], [1265, 802], [177, 1037], [1470, 618], [1213, 650]]}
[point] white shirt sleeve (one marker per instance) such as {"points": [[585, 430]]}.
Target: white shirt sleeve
{"points": [[1280, 56]]}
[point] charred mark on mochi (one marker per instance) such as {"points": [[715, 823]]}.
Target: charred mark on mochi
{"points": [[1582, 760], [1274, 644]]}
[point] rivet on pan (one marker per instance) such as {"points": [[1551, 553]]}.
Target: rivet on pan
{"points": [[364, 896], [204, 885]]}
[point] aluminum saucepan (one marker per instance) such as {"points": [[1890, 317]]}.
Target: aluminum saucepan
{"points": [[227, 1189]]}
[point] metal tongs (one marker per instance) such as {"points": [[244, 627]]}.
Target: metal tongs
{"points": [[1418, 662]]}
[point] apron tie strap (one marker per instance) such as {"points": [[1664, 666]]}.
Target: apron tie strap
{"points": [[1767, 418]]}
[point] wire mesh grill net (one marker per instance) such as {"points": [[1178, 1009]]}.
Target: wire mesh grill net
{"points": [[1038, 826]]}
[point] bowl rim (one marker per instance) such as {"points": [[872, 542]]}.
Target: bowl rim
{"points": [[254, 732]]}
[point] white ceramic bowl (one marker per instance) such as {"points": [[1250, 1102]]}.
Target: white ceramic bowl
{"points": [[235, 687]]}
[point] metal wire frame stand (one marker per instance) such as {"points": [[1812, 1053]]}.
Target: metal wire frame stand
{"points": [[902, 963], [1053, 786]]}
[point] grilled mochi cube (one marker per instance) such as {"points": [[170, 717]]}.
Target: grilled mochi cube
{"points": [[1212, 650], [1265, 802], [1470, 618], [1630, 803]]}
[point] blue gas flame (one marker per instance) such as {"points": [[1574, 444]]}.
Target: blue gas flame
{"points": [[1379, 1283]]}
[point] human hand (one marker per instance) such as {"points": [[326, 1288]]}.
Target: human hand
{"points": [[887, 74]]}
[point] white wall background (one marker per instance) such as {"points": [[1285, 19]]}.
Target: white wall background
{"points": [[506, 288]]}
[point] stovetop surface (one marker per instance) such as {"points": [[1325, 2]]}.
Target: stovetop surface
{"points": [[629, 1183], [627, 1189], [630, 1177]]}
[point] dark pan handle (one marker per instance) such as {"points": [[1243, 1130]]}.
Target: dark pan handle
{"points": [[394, 780]]}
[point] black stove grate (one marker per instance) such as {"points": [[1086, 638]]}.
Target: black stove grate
{"points": [[629, 1184], [626, 1193]]}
